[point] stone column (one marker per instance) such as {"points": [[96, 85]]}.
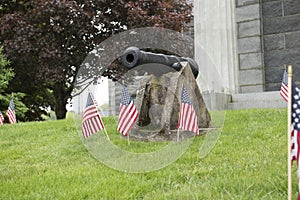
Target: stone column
{"points": [[215, 50]]}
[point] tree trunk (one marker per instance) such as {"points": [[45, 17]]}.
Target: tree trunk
{"points": [[61, 97], [60, 109]]}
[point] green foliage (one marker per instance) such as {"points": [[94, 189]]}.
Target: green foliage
{"points": [[20, 107], [46, 160], [50, 116], [6, 75], [47, 40]]}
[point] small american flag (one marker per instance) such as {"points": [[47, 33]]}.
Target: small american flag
{"points": [[187, 117], [295, 123], [92, 122], [284, 86], [295, 134], [1, 118], [128, 113], [11, 112]]}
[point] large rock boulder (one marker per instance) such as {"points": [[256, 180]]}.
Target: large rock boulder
{"points": [[158, 102]]}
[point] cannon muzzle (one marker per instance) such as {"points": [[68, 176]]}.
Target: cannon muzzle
{"points": [[133, 57]]}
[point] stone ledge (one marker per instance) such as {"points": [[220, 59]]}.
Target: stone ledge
{"points": [[257, 100], [251, 88], [260, 104], [257, 96]]}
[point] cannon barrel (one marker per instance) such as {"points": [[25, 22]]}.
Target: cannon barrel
{"points": [[133, 57]]}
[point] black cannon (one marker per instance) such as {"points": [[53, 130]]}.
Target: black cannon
{"points": [[133, 57]]}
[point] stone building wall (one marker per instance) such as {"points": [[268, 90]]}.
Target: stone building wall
{"points": [[268, 37], [281, 39]]}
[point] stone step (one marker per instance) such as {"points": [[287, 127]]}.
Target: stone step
{"points": [[257, 100]]}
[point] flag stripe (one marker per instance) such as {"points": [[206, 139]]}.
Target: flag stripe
{"points": [[11, 116], [11, 113], [284, 86], [1, 118], [294, 148], [188, 118], [84, 132], [92, 121], [122, 118], [298, 142], [284, 92], [128, 114], [131, 122], [191, 124], [128, 120]]}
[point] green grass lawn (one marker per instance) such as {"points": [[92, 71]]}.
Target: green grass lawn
{"points": [[47, 160]]}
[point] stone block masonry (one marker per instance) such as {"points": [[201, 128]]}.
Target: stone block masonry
{"points": [[281, 40], [268, 37], [249, 46]]}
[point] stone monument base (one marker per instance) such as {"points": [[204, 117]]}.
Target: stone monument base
{"points": [[158, 102]]}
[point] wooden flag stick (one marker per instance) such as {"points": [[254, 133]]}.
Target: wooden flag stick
{"points": [[106, 133], [178, 128], [290, 74], [128, 139], [99, 109]]}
